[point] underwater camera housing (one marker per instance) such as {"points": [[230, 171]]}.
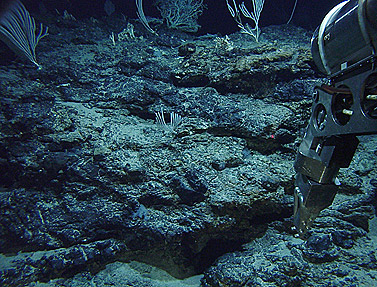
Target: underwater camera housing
{"points": [[343, 48], [346, 36]]}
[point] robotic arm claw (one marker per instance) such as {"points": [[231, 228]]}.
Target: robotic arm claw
{"points": [[344, 48]]}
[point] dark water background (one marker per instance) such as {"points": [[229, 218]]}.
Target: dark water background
{"points": [[215, 19]]}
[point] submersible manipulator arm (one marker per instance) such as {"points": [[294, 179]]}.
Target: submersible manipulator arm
{"points": [[344, 47]]}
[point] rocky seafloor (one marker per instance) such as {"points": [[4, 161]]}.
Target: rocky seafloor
{"points": [[97, 190]]}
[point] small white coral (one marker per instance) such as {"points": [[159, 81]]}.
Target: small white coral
{"points": [[181, 14]]}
